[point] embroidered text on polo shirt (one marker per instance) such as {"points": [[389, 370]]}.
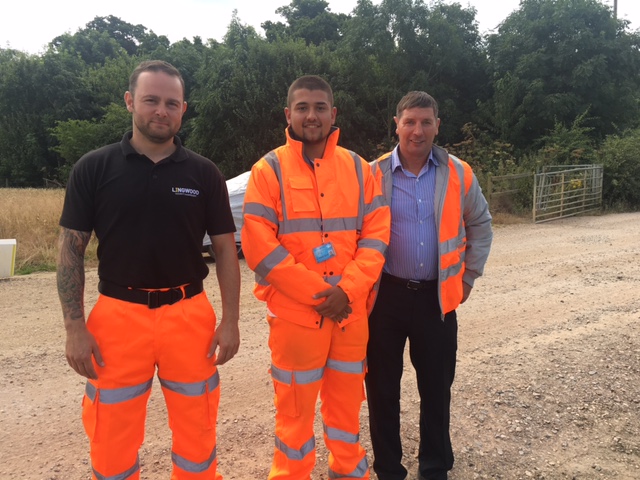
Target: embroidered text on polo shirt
{"points": [[189, 192]]}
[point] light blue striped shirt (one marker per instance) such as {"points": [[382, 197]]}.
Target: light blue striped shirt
{"points": [[413, 247]]}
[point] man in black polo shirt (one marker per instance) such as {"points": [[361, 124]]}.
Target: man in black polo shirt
{"points": [[149, 201]]}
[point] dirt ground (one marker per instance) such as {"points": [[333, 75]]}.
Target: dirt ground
{"points": [[547, 386]]}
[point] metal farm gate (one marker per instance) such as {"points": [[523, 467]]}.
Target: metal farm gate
{"points": [[562, 190]]}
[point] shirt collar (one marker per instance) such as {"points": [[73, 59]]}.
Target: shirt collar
{"points": [[180, 154], [395, 159]]}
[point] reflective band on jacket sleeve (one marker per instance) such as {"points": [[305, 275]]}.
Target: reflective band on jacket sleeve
{"points": [[110, 396], [301, 378], [346, 367], [192, 389], [376, 203], [271, 261], [119, 476], [259, 210], [293, 454], [373, 244], [193, 467], [340, 435], [359, 472]]}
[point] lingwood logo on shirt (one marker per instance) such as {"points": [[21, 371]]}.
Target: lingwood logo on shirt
{"points": [[189, 192]]}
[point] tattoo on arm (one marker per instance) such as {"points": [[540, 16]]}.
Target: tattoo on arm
{"points": [[70, 273]]}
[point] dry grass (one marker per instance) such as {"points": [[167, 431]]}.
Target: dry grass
{"points": [[31, 217]]}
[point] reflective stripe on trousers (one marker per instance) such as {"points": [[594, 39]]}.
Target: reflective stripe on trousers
{"points": [[306, 362], [135, 340]]}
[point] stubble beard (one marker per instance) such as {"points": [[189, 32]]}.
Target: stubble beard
{"points": [[156, 137]]}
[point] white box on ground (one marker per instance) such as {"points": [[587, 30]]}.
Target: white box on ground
{"points": [[7, 257]]}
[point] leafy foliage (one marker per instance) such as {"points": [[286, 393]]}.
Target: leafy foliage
{"points": [[620, 156], [551, 85], [551, 60], [77, 137]]}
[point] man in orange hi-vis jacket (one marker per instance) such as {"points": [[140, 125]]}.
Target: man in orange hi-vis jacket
{"points": [[315, 233], [149, 200]]}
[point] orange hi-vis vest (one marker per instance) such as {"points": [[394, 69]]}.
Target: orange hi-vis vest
{"points": [[463, 223], [291, 208]]}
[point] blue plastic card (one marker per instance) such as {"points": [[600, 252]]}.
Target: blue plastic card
{"points": [[324, 252]]}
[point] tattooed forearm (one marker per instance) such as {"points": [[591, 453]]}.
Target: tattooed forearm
{"points": [[70, 276]]}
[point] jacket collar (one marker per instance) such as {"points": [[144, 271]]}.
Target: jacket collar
{"points": [[332, 142]]}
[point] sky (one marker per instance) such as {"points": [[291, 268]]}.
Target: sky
{"points": [[28, 25]]}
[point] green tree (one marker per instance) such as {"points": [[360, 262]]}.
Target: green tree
{"points": [[77, 137], [34, 93], [551, 60], [406, 45], [107, 37], [310, 20], [241, 95]]}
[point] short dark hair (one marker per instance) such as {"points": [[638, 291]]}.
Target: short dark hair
{"points": [[416, 99], [154, 66], [310, 82]]}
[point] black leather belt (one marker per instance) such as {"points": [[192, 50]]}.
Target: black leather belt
{"points": [[150, 298], [410, 284]]}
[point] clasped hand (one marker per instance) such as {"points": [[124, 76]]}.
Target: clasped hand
{"points": [[336, 304]]}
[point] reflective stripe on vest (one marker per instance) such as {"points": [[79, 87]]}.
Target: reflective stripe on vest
{"points": [[110, 396], [453, 244], [340, 435], [194, 389], [293, 454], [193, 467], [300, 377], [315, 224], [119, 476], [359, 472], [292, 226]]}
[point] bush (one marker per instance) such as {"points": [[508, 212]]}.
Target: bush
{"points": [[620, 156]]}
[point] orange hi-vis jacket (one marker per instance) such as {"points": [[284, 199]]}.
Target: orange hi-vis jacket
{"points": [[291, 208], [463, 223]]}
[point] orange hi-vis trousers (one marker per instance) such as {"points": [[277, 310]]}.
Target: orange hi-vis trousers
{"points": [[135, 340], [305, 362]]}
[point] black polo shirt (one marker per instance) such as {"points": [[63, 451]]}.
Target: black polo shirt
{"points": [[149, 218]]}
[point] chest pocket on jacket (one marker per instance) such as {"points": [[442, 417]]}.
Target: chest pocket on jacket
{"points": [[303, 198]]}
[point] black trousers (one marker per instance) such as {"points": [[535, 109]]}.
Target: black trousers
{"points": [[400, 314]]}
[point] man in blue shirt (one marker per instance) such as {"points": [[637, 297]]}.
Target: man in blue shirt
{"points": [[440, 240]]}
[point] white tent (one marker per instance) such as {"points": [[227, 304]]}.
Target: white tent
{"points": [[236, 187]]}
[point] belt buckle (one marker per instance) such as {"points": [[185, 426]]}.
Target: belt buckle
{"points": [[158, 298], [153, 299], [413, 285]]}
